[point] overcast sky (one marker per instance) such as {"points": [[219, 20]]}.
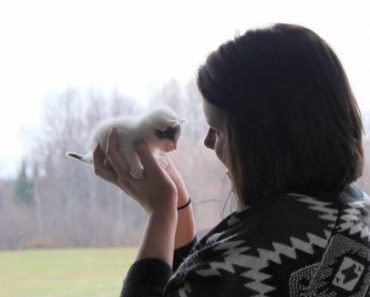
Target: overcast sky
{"points": [[136, 46]]}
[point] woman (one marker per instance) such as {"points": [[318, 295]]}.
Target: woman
{"points": [[286, 126]]}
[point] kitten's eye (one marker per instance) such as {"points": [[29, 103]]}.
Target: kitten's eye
{"points": [[169, 133]]}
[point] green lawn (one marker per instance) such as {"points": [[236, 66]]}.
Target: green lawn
{"points": [[62, 273]]}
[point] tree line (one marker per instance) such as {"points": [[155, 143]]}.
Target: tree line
{"points": [[59, 202], [56, 201]]}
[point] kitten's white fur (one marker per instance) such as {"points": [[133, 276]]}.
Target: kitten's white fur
{"points": [[131, 129]]}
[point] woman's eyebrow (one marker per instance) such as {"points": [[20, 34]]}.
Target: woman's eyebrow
{"points": [[214, 123], [210, 124]]}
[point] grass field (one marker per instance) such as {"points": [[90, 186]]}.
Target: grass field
{"points": [[62, 273]]}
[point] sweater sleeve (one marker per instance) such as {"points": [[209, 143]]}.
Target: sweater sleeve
{"points": [[181, 253], [151, 278], [147, 277]]}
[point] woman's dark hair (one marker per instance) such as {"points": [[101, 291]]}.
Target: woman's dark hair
{"points": [[293, 124]]}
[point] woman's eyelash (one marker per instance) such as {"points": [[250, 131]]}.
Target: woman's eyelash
{"points": [[213, 131]]}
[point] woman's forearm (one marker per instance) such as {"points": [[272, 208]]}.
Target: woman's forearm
{"points": [[159, 237], [186, 230]]}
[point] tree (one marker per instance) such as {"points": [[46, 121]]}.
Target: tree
{"points": [[24, 187]]}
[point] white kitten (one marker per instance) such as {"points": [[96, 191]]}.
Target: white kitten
{"points": [[160, 128]]}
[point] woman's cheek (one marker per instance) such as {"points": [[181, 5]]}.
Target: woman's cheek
{"points": [[222, 151], [219, 149]]}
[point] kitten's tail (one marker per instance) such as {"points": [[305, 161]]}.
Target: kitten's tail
{"points": [[83, 158]]}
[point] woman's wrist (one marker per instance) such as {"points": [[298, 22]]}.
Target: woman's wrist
{"points": [[182, 196], [185, 205], [164, 208]]}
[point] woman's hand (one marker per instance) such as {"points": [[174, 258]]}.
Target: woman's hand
{"points": [[176, 177], [155, 192]]}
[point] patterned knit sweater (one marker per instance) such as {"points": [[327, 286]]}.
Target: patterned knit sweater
{"points": [[293, 245]]}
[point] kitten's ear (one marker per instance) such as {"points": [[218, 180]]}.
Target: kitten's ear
{"points": [[170, 124]]}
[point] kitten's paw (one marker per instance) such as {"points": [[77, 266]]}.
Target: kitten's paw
{"points": [[162, 160], [137, 173]]}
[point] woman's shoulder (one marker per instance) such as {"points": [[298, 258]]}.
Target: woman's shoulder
{"points": [[275, 219], [256, 248], [290, 218], [274, 247]]}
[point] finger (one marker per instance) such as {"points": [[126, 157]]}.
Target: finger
{"points": [[126, 186], [106, 164], [170, 162], [98, 155], [150, 165], [114, 156], [100, 170]]}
